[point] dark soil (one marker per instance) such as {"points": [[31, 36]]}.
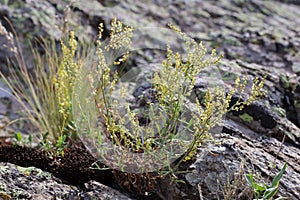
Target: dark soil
{"points": [[75, 168]]}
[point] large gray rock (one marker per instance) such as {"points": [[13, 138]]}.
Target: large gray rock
{"points": [[256, 38]]}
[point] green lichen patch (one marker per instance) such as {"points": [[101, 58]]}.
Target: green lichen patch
{"points": [[228, 76], [289, 82], [246, 117], [297, 104], [296, 67], [27, 171], [3, 170], [280, 111], [285, 82]]}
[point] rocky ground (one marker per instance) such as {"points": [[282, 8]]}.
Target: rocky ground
{"points": [[33, 183], [256, 38]]}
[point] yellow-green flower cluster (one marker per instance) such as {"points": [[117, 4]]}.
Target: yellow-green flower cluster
{"points": [[66, 76], [174, 83], [120, 35]]}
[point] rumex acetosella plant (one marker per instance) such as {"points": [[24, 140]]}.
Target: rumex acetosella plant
{"points": [[86, 95], [46, 90], [171, 124]]}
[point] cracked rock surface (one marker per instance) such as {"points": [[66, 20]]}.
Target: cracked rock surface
{"points": [[33, 183], [257, 38]]}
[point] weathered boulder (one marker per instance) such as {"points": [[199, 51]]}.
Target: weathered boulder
{"points": [[256, 38]]}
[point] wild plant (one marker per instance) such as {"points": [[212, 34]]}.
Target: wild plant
{"points": [[266, 191], [44, 91], [168, 127], [71, 92]]}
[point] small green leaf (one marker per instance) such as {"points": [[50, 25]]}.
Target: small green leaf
{"points": [[277, 178], [30, 139], [258, 188], [18, 137], [249, 179], [270, 192]]}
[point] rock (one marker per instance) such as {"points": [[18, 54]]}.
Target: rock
{"points": [[297, 99], [215, 169], [256, 38], [5, 92], [32, 183], [3, 108], [5, 53], [102, 192]]}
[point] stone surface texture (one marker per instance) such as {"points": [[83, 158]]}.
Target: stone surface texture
{"points": [[257, 38]]}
